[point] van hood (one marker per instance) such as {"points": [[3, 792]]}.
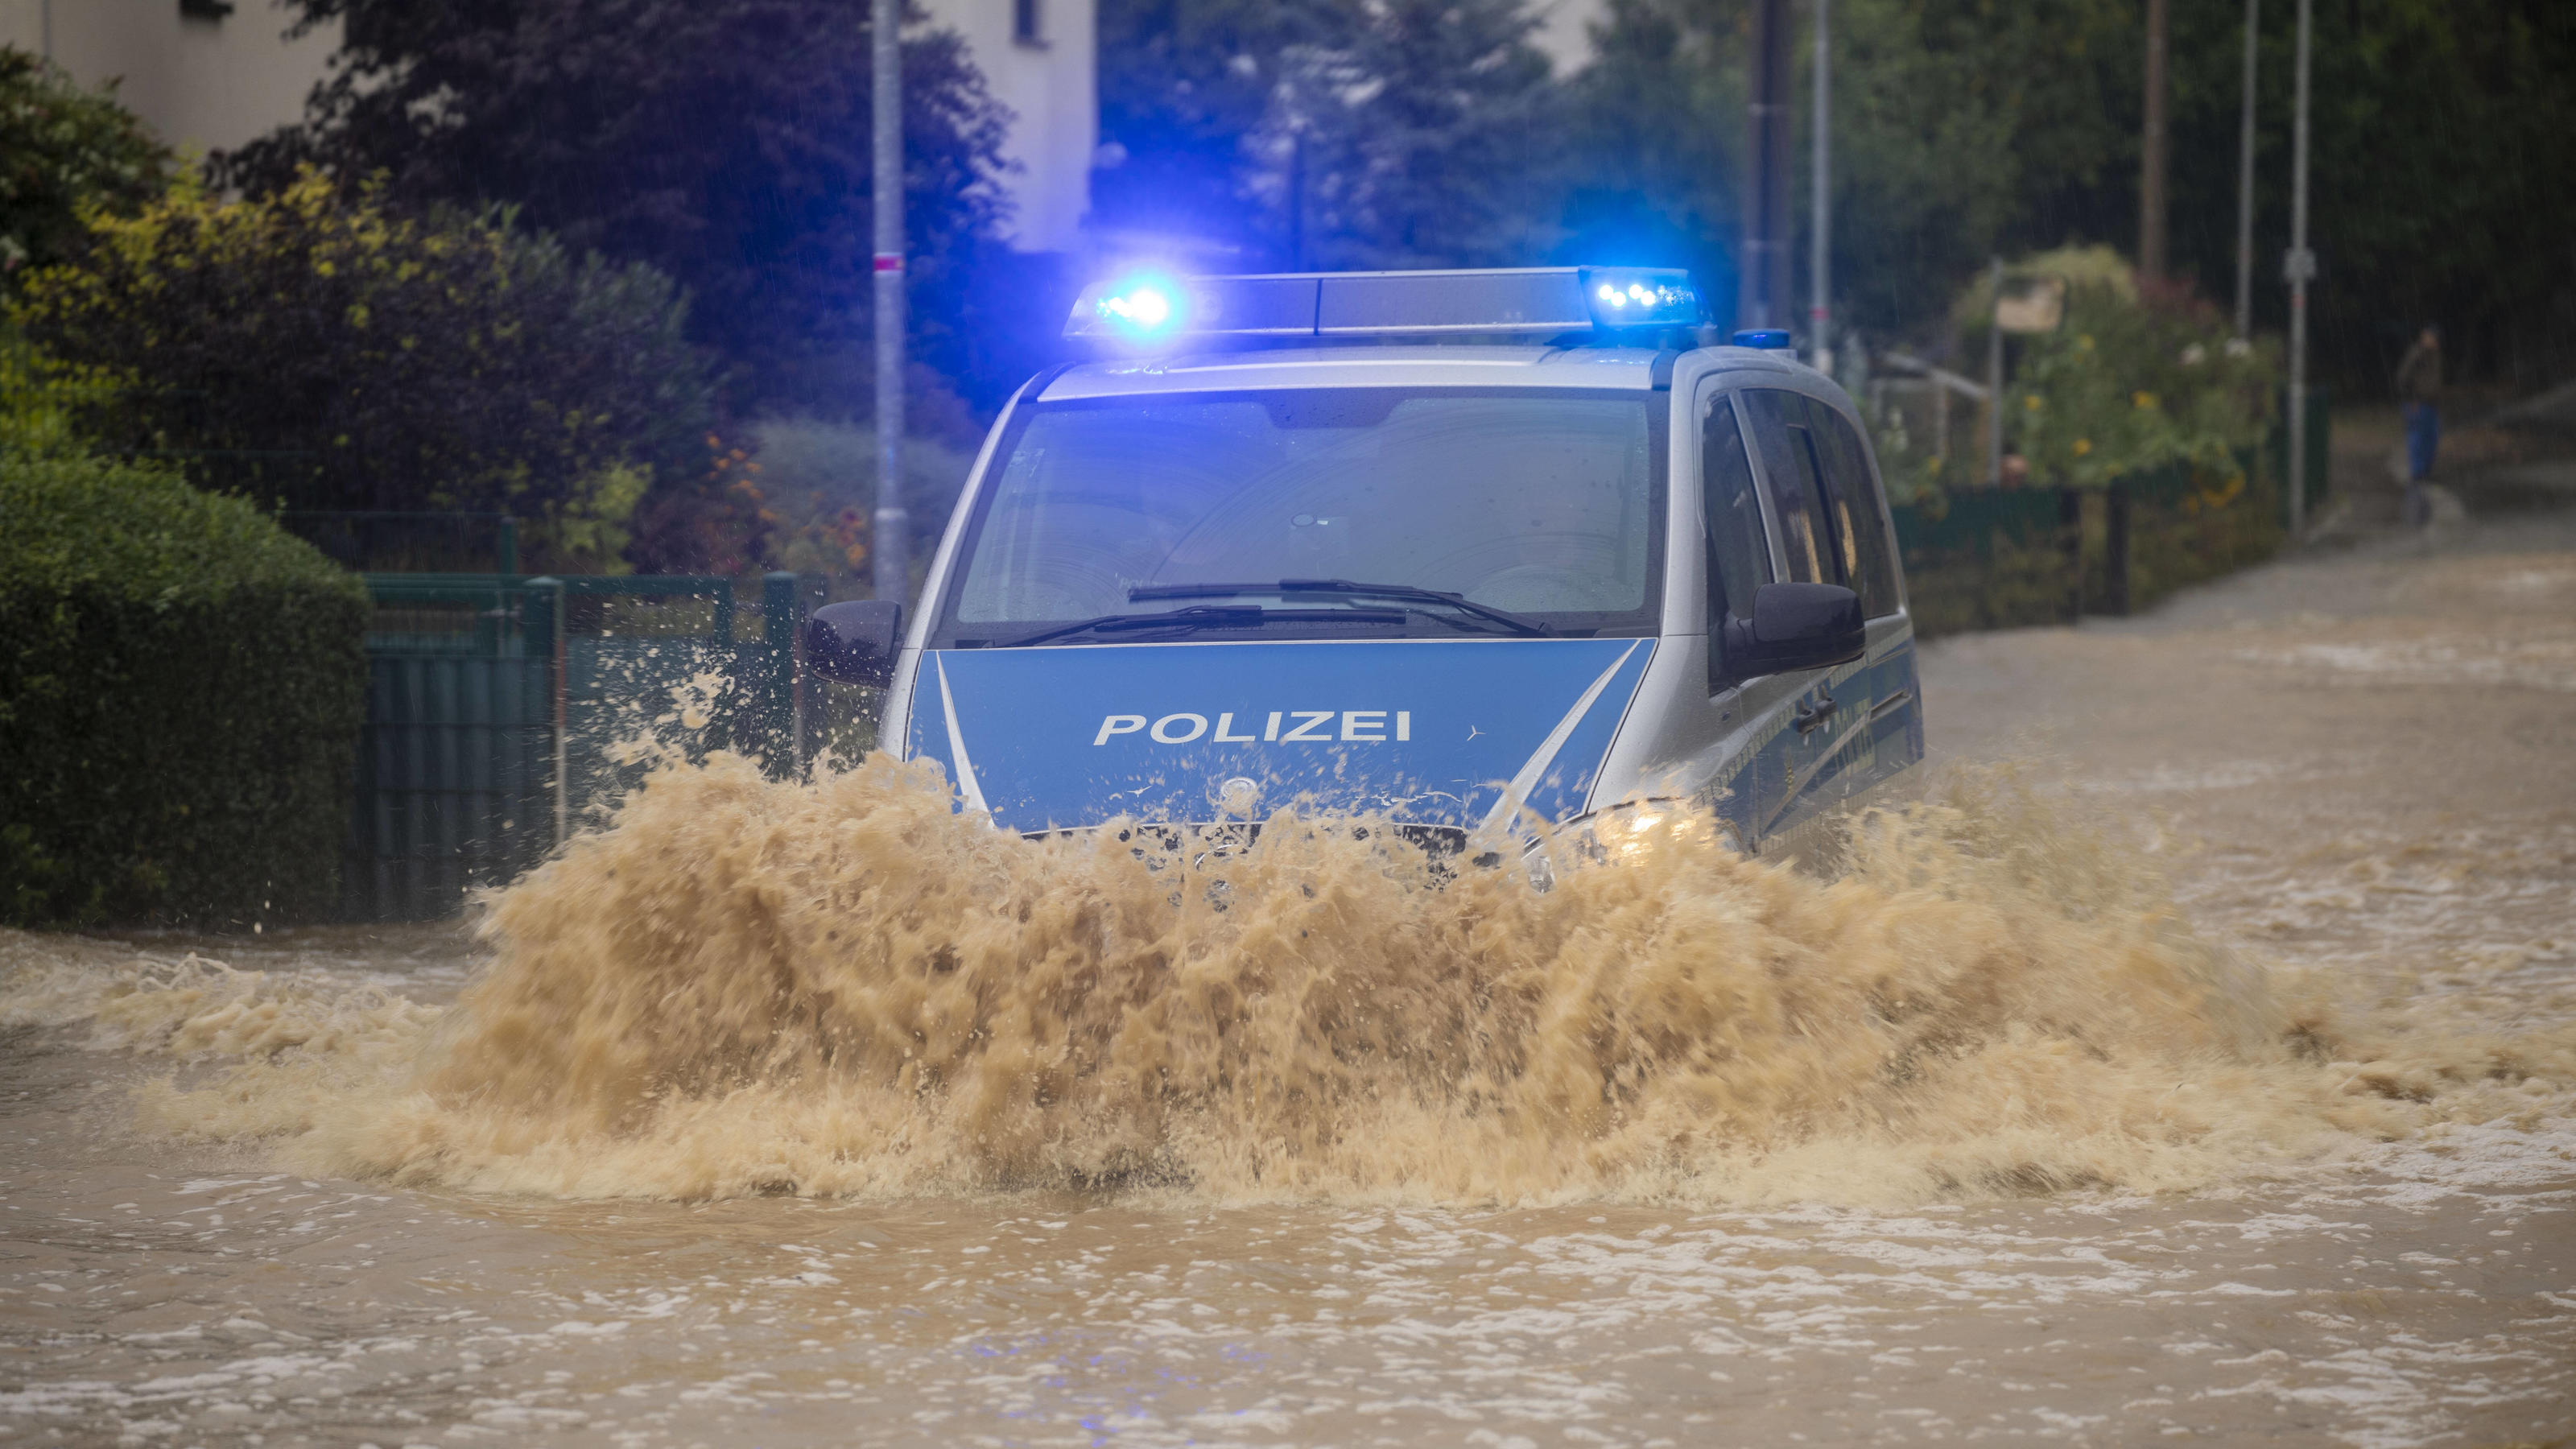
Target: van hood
{"points": [[1431, 732]]}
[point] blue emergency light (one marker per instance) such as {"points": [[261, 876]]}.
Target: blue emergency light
{"points": [[1148, 309], [1143, 307]]}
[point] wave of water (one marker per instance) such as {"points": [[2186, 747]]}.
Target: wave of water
{"points": [[839, 986]]}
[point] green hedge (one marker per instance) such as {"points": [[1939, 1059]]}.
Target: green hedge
{"points": [[1986, 560], [181, 686], [2187, 526]]}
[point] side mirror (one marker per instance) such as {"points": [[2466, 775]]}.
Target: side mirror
{"points": [[854, 642], [1795, 626]]}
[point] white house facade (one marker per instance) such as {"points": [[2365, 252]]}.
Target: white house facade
{"points": [[208, 75], [205, 75], [1041, 58]]}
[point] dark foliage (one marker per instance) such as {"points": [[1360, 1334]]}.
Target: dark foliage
{"points": [[723, 141], [2442, 165], [309, 349], [181, 686], [1184, 86], [1435, 140], [63, 149], [1328, 134]]}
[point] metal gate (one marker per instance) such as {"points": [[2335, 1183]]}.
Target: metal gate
{"points": [[496, 702]]}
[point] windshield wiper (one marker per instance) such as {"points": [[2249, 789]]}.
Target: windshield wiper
{"points": [[1408, 593], [1205, 616]]}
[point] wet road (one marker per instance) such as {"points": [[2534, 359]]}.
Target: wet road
{"points": [[2356, 766]]}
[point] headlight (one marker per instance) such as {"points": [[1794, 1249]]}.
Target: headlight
{"points": [[1623, 832]]}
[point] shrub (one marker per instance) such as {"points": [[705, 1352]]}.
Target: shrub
{"points": [[181, 686], [2129, 384], [314, 348]]}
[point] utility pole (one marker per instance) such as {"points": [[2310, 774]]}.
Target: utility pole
{"points": [[2245, 183], [1762, 296], [2151, 154], [1820, 311], [891, 536], [2299, 267]]}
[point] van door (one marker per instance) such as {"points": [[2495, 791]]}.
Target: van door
{"points": [[1816, 477], [1738, 558], [1889, 729]]}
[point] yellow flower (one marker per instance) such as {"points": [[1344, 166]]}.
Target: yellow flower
{"points": [[2143, 399], [2031, 402], [2085, 342], [2083, 446]]}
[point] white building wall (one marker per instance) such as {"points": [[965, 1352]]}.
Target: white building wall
{"points": [[201, 85], [1050, 81], [205, 85]]}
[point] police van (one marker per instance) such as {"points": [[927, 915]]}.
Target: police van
{"points": [[1489, 554]]}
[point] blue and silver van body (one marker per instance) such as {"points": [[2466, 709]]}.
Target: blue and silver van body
{"points": [[1487, 576]]}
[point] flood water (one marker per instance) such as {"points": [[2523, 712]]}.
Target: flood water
{"points": [[2195, 1060]]}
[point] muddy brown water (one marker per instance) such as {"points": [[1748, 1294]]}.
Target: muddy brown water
{"points": [[2209, 1073]]}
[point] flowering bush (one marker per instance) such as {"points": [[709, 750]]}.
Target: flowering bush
{"points": [[2126, 385]]}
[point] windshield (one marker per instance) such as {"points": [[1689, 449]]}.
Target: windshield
{"points": [[1545, 504]]}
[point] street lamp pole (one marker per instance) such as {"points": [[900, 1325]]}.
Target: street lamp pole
{"points": [[1819, 251], [2299, 267], [2152, 154], [891, 535], [1763, 295], [2245, 183]]}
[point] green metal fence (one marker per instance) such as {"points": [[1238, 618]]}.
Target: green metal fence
{"points": [[497, 705]]}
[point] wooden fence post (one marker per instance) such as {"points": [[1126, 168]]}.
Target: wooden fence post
{"points": [[2115, 547], [2070, 520]]}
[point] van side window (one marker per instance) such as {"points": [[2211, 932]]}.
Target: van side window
{"points": [[1739, 557], [1793, 467], [1869, 554]]}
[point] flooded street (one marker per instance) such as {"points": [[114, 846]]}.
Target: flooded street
{"points": [[1990, 1153]]}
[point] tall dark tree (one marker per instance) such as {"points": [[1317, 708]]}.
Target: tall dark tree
{"points": [[1656, 131], [1436, 139], [2442, 161], [1960, 128], [1183, 85], [723, 141], [1331, 132]]}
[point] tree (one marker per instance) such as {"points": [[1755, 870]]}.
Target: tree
{"points": [[320, 351], [1657, 135], [2441, 177], [1434, 139], [1333, 133], [723, 141], [1184, 84], [1960, 128], [64, 151]]}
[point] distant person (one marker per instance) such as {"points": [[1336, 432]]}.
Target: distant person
{"points": [[2419, 391]]}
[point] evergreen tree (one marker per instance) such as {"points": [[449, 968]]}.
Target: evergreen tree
{"points": [[1435, 139]]}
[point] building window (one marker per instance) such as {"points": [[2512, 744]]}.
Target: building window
{"points": [[1027, 22], [205, 9]]}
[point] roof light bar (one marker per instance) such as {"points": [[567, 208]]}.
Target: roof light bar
{"points": [[1150, 309]]}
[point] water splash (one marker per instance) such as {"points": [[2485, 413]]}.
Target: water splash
{"points": [[839, 986]]}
